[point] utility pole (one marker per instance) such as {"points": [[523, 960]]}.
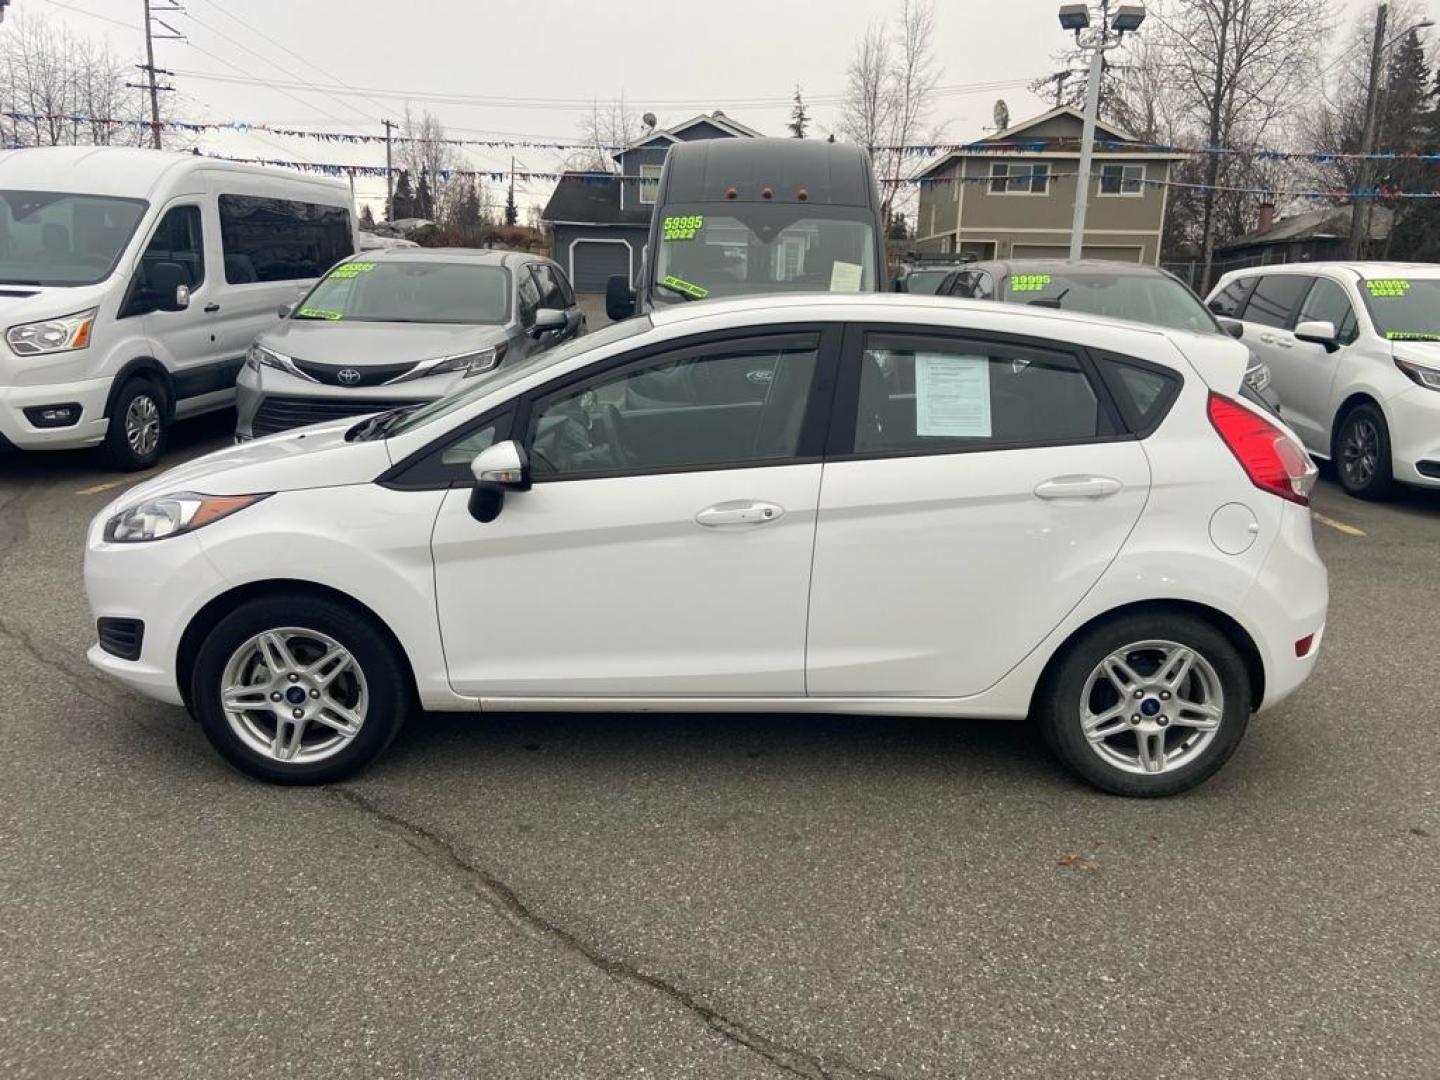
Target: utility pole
{"points": [[390, 125], [152, 73], [1359, 207]]}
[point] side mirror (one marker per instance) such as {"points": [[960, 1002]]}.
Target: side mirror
{"points": [[619, 298], [547, 319], [497, 469], [1318, 332], [170, 286], [1234, 327]]}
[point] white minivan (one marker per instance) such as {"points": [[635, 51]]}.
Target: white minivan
{"points": [[133, 281]]}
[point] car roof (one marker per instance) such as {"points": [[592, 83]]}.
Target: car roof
{"points": [[1068, 266], [128, 172], [1368, 269], [706, 170], [477, 256]]}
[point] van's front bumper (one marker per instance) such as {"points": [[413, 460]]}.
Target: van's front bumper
{"points": [[271, 401], [19, 430], [1414, 417]]}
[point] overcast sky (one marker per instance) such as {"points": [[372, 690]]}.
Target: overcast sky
{"points": [[549, 58]]}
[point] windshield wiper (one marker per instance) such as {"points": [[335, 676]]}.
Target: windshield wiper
{"points": [[379, 425]]}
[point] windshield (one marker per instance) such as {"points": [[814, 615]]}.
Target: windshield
{"points": [[505, 374], [925, 281], [1153, 299], [730, 249], [60, 238], [410, 292], [1404, 309]]}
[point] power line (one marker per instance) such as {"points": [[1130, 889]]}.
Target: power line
{"points": [[91, 14]]}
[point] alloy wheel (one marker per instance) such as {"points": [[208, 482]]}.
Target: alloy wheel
{"points": [[294, 695], [1360, 451], [1151, 707], [142, 425]]}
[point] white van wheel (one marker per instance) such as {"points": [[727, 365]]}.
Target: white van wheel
{"points": [[138, 426]]}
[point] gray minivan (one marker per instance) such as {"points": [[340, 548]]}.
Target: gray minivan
{"points": [[741, 216], [389, 329]]}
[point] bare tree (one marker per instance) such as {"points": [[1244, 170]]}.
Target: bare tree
{"points": [[72, 88], [889, 89], [427, 154], [1234, 68], [608, 125]]}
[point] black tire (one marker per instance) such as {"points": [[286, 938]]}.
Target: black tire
{"points": [[1363, 428], [145, 397], [1058, 704], [386, 678]]}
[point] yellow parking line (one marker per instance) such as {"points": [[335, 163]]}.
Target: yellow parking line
{"points": [[96, 489], [1338, 526]]}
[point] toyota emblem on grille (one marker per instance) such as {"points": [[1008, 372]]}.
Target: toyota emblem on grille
{"points": [[349, 376]]}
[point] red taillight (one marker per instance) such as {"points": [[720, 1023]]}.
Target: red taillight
{"points": [[1269, 456], [1302, 647]]}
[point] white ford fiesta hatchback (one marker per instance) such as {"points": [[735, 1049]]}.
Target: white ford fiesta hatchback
{"points": [[880, 504]]}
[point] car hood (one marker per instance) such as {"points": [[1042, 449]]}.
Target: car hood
{"points": [[360, 343], [1419, 352], [312, 457], [32, 303]]}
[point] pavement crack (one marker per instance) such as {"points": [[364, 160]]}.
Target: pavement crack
{"points": [[504, 901]]}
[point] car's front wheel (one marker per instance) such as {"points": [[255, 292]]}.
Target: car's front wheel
{"points": [[1148, 704], [1362, 453], [299, 689], [135, 438]]}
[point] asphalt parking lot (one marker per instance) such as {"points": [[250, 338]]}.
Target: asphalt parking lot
{"points": [[716, 896]]}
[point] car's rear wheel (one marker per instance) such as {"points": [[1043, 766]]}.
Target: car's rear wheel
{"points": [[1147, 705], [135, 438], [1362, 453], [299, 690]]}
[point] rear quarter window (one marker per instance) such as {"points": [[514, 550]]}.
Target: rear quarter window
{"points": [[1143, 392]]}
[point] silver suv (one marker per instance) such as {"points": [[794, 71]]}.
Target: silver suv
{"points": [[1354, 354], [386, 329]]}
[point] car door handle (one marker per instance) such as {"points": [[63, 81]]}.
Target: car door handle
{"points": [[1284, 342], [739, 512], [210, 309], [1077, 487], [1268, 339]]}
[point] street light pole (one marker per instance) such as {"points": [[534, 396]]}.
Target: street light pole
{"points": [[1358, 217], [1108, 35]]}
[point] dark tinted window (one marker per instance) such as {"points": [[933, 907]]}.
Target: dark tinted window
{"points": [[1327, 302], [923, 394], [730, 403], [566, 291], [1230, 299], [975, 284], [281, 240], [177, 239], [1142, 392], [1274, 298], [529, 298]]}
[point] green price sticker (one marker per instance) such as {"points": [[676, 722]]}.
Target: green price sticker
{"points": [[350, 270], [689, 288], [685, 227], [1387, 286], [1029, 282], [320, 313]]}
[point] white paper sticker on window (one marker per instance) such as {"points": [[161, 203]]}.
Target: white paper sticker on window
{"points": [[952, 395], [845, 277]]}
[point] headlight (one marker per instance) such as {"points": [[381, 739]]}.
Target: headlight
{"points": [[260, 357], [64, 334], [1427, 377], [1257, 375], [170, 515], [471, 363]]}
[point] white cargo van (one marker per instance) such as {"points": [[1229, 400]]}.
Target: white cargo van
{"points": [[133, 281]]}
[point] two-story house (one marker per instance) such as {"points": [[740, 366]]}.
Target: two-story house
{"points": [[599, 225], [1012, 195]]}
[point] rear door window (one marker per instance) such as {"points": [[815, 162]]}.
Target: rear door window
{"points": [[936, 395], [1274, 299], [1229, 300]]}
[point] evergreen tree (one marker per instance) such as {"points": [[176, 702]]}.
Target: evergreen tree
{"points": [[402, 202], [367, 218], [799, 116], [512, 215], [1405, 123], [424, 201]]}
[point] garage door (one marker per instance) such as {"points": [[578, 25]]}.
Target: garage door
{"points": [[1089, 251], [592, 262]]}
